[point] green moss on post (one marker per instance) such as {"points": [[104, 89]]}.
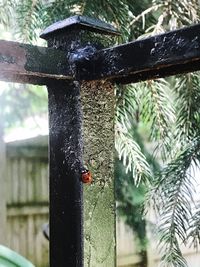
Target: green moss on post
{"points": [[99, 200], [80, 37]]}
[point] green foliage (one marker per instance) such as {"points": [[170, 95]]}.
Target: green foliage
{"points": [[29, 18], [6, 8], [35, 15], [194, 228], [128, 149], [173, 193], [131, 201], [158, 114], [130, 152], [19, 102], [188, 108]]}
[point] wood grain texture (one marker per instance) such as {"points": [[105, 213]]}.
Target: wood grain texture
{"points": [[27, 203]]}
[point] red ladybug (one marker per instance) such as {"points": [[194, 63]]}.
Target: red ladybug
{"points": [[86, 176]]}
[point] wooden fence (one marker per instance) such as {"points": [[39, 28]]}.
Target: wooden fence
{"points": [[27, 204], [127, 255], [27, 209], [27, 198]]}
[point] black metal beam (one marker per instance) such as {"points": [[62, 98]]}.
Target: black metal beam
{"points": [[158, 56], [32, 64], [162, 55], [65, 158]]}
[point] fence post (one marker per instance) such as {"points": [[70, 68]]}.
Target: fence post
{"points": [[76, 36], [99, 199]]}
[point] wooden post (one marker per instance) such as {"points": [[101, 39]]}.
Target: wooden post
{"points": [[99, 200], [67, 159]]}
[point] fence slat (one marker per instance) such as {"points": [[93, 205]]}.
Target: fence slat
{"points": [[27, 204], [15, 181]]}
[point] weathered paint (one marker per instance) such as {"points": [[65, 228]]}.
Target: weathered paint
{"points": [[158, 56], [65, 159], [99, 200], [100, 250], [162, 55], [31, 64]]}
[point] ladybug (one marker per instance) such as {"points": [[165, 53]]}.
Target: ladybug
{"points": [[86, 176]]}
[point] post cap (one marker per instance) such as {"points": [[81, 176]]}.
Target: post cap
{"points": [[79, 22]]}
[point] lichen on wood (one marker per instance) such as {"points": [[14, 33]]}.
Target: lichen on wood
{"points": [[99, 201]]}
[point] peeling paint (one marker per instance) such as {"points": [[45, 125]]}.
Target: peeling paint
{"points": [[32, 64], [7, 59]]}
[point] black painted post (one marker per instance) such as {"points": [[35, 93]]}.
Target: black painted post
{"points": [[65, 140], [66, 203]]}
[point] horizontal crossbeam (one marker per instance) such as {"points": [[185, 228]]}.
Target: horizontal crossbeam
{"points": [[163, 55], [31, 64]]}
